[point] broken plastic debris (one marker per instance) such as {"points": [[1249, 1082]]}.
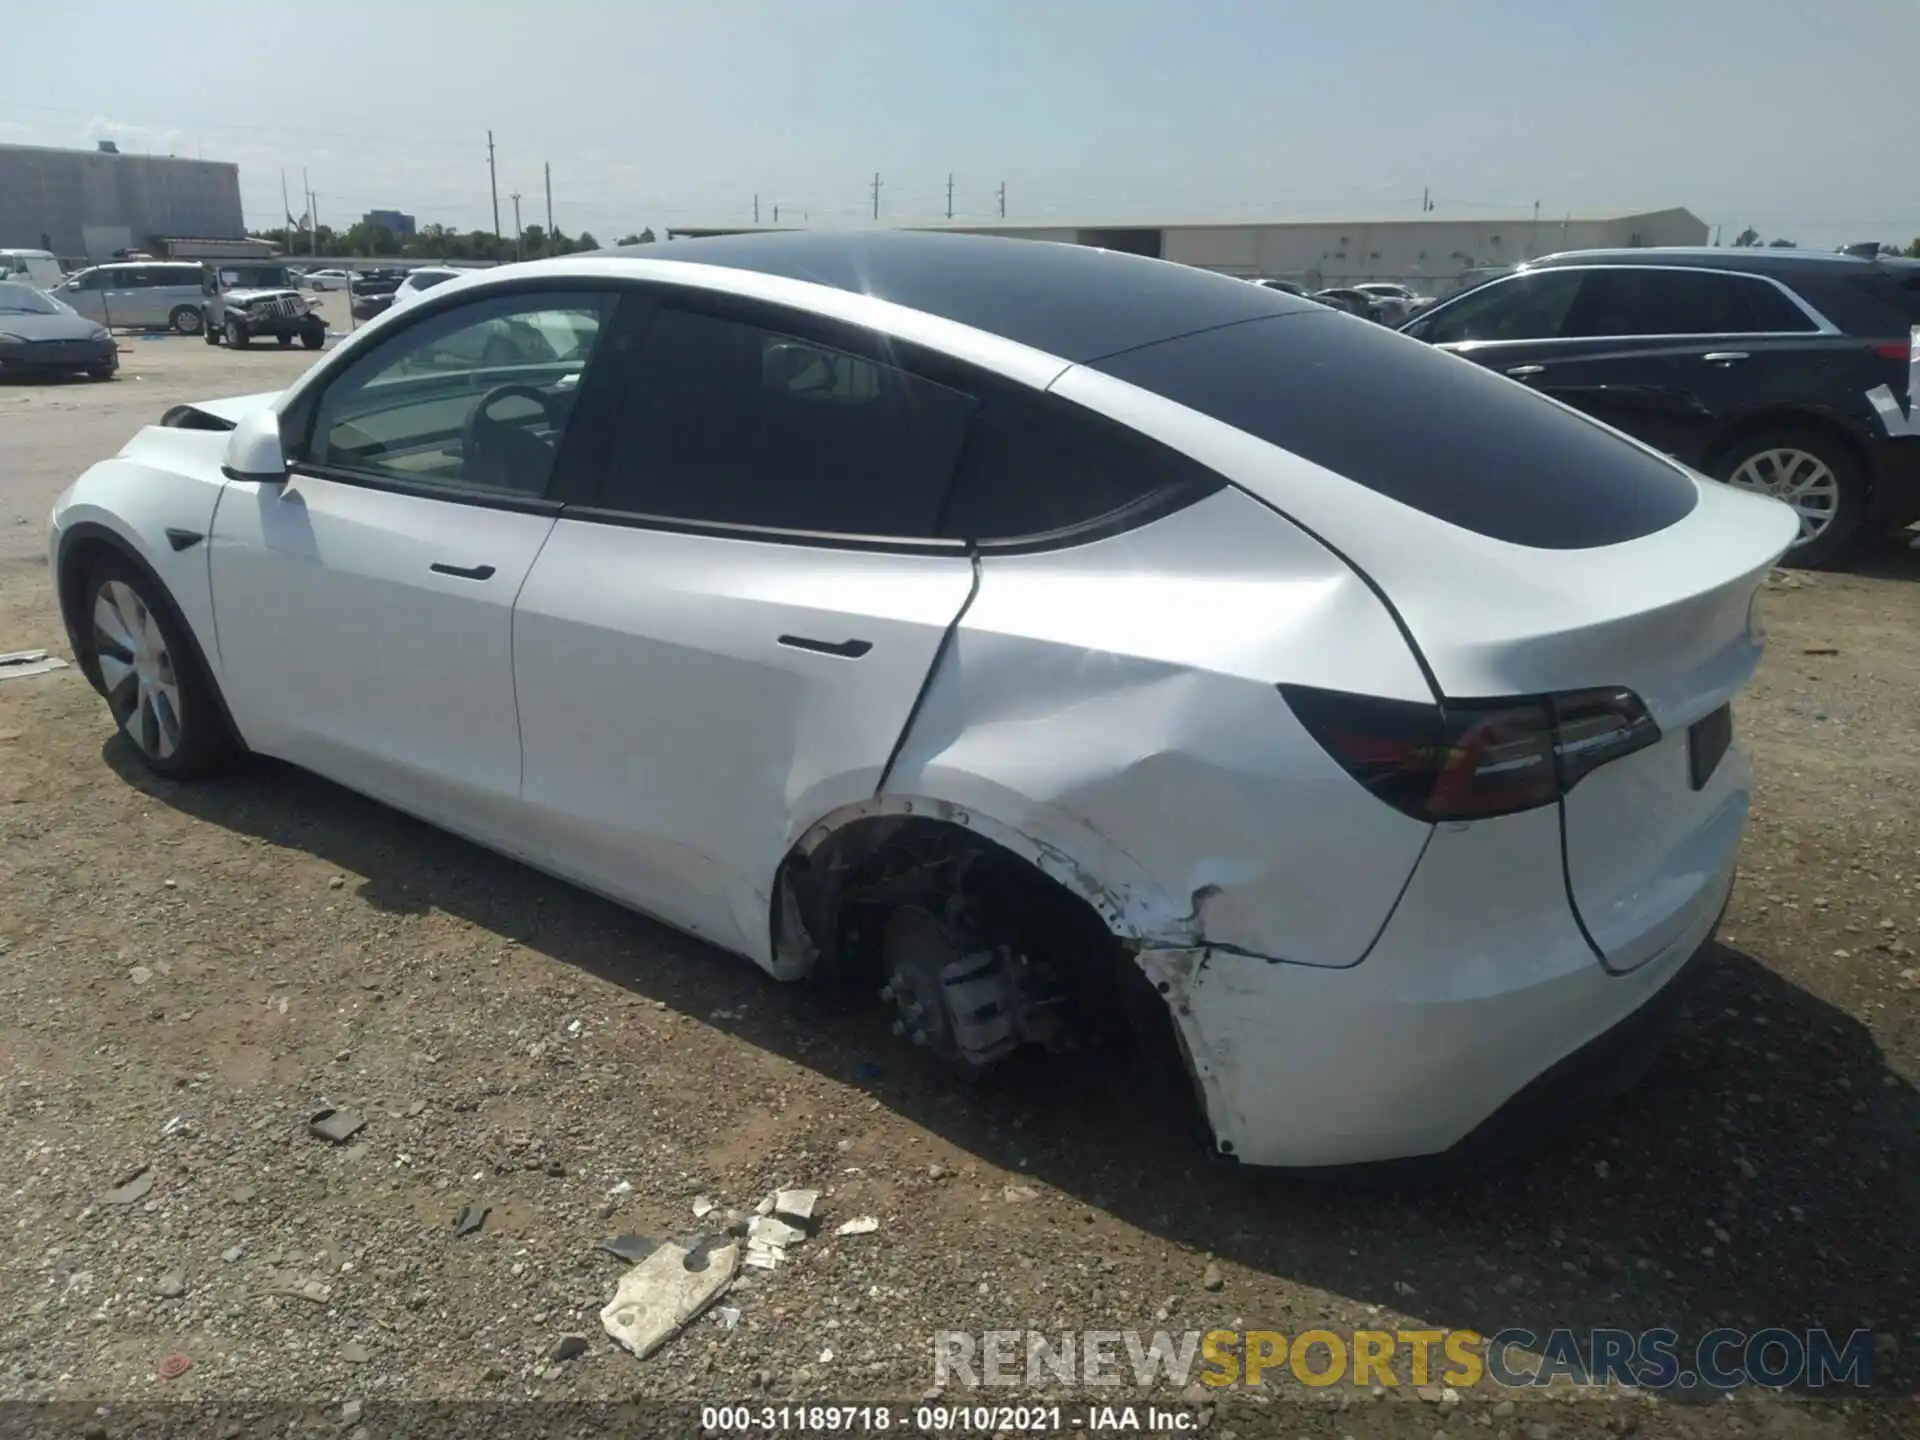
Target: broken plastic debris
{"points": [[471, 1219], [625, 1187], [132, 1189], [728, 1316], [1016, 1194], [859, 1225], [174, 1366], [702, 1206], [795, 1205], [18, 664], [630, 1247], [336, 1125], [661, 1295], [764, 1257], [770, 1230]]}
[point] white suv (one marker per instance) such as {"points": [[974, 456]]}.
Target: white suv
{"points": [[1047, 639]]}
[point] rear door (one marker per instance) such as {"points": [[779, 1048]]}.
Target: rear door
{"points": [[728, 630], [364, 607], [1676, 356]]}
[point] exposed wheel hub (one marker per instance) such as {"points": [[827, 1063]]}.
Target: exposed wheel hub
{"points": [[970, 1004]]}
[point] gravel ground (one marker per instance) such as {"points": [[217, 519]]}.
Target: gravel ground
{"points": [[189, 973]]}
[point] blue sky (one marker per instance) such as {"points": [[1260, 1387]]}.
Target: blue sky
{"points": [[1794, 118]]}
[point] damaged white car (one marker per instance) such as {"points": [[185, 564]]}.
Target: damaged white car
{"points": [[1014, 628]]}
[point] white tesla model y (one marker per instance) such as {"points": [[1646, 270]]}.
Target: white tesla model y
{"points": [[1047, 637]]}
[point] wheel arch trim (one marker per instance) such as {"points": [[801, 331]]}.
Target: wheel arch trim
{"points": [[70, 578]]}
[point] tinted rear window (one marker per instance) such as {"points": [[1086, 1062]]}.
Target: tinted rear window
{"points": [[1420, 426]]}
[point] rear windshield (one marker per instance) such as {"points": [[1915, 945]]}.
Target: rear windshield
{"points": [[1420, 426]]}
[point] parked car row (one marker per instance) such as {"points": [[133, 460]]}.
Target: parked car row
{"points": [[1383, 301]]}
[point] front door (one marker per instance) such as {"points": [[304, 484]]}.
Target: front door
{"points": [[725, 636], [364, 608]]}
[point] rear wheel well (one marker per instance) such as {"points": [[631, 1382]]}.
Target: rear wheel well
{"points": [[835, 899]]}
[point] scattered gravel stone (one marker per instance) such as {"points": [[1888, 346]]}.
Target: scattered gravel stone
{"points": [[338, 1126], [471, 1219], [566, 1348], [1212, 1279], [170, 1286], [131, 1190]]}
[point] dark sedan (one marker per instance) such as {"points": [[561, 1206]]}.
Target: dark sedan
{"points": [[41, 336]]}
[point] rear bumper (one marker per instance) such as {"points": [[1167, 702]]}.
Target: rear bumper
{"points": [[1895, 462], [1480, 988]]}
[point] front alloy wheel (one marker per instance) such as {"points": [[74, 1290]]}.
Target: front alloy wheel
{"points": [[137, 668], [153, 679]]}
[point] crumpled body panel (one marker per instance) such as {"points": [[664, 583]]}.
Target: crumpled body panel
{"points": [[1136, 728]]}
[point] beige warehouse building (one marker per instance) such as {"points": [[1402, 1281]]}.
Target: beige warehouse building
{"points": [[1429, 254]]}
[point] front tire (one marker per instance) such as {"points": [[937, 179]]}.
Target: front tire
{"points": [[186, 320], [237, 338], [211, 334], [155, 687], [313, 337], [1819, 476], [285, 340]]}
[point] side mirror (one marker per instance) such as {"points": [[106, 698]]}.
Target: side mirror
{"points": [[253, 450]]}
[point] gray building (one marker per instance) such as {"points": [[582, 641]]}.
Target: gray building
{"points": [[398, 222], [86, 204]]}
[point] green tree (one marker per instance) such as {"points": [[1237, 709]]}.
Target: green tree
{"points": [[1747, 237], [1782, 244], [1913, 250]]}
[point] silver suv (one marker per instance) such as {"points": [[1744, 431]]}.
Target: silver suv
{"points": [[245, 299]]}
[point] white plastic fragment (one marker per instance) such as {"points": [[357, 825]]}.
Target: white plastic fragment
{"points": [[795, 1205], [771, 1230], [859, 1225], [657, 1298], [702, 1206]]}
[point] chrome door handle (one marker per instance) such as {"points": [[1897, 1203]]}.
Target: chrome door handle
{"points": [[1521, 372], [1725, 357]]}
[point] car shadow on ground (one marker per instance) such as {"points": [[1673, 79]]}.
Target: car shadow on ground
{"points": [[1888, 557], [1765, 1173]]}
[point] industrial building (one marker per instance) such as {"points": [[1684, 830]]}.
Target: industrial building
{"points": [[89, 204], [1426, 253]]}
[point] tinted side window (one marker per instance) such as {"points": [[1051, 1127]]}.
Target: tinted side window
{"points": [[1420, 426], [179, 275], [1764, 308], [1521, 307], [1681, 302], [1035, 464], [475, 399], [735, 423]]}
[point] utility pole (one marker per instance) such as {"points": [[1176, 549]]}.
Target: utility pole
{"points": [[1426, 198], [1003, 199], [519, 251], [1533, 230], [776, 215], [1716, 237], [756, 210], [949, 195], [306, 190], [493, 183], [876, 194], [549, 170]]}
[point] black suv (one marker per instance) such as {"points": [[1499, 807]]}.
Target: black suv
{"points": [[1784, 372]]}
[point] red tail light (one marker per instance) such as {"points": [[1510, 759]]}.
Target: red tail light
{"points": [[1471, 759], [1894, 350]]}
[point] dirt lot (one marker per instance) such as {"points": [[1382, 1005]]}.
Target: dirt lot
{"points": [[189, 973]]}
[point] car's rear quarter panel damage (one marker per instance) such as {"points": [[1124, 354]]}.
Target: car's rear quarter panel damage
{"points": [[1134, 730]]}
